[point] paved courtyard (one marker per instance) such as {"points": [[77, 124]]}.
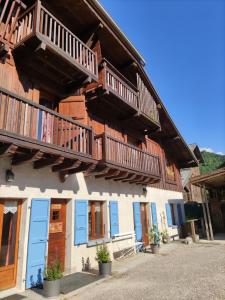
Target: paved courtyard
{"points": [[179, 272]]}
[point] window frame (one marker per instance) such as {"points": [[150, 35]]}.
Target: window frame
{"points": [[93, 235]]}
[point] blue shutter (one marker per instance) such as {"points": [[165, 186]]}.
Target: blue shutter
{"points": [[154, 214], [137, 221], [37, 242], [168, 215], [81, 222], [180, 216], [114, 218]]}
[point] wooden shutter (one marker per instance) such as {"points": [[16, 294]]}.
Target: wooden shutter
{"points": [[81, 222], [114, 218]]}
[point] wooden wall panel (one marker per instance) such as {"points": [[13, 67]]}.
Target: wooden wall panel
{"points": [[11, 79], [74, 106]]}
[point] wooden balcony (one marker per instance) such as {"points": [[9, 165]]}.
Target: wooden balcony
{"points": [[48, 41], [31, 132], [124, 162], [114, 89], [148, 113]]}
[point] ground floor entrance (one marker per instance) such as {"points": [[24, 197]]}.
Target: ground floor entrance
{"points": [[57, 233], [10, 211], [145, 223]]}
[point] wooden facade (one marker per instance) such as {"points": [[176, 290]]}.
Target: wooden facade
{"points": [[69, 102]]}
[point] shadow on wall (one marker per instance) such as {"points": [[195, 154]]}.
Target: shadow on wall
{"points": [[44, 179]]}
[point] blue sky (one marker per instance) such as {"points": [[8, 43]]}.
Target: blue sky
{"points": [[183, 43]]}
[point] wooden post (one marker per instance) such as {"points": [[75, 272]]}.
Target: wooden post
{"points": [[208, 213], [193, 230], [204, 215]]}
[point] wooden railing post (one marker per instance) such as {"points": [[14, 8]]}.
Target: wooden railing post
{"points": [[37, 16]]}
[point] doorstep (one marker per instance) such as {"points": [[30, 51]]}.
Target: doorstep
{"points": [[84, 280]]}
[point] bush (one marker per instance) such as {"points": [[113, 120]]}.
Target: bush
{"points": [[102, 255], [53, 272], [154, 235]]}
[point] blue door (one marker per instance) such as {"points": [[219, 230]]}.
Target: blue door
{"points": [[137, 221], [37, 243]]}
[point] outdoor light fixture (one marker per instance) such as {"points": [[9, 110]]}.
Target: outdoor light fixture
{"points": [[9, 175], [144, 190]]}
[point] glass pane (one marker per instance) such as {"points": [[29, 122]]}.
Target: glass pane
{"points": [[98, 219], [7, 250]]}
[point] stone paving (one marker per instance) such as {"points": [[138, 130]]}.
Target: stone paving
{"points": [[179, 272]]}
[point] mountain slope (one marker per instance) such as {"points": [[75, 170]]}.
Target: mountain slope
{"points": [[212, 161]]}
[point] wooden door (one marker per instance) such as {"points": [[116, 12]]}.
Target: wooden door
{"points": [[57, 232], [145, 224], [10, 211]]}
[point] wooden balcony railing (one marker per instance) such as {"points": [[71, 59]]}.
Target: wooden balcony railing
{"points": [[116, 83], [9, 12], [121, 154], [37, 20], [147, 105], [38, 123]]}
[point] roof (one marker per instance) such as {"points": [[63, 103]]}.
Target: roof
{"points": [[213, 179], [195, 149], [116, 30]]}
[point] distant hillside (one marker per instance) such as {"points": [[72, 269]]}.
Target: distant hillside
{"points": [[212, 161]]}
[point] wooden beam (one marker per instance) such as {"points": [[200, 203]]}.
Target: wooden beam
{"points": [[29, 157], [89, 170], [51, 161], [122, 175], [93, 35], [138, 178], [128, 177], [98, 170], [83, 167], [104, 174], [66, 165], [8, 149], [114, 175]]}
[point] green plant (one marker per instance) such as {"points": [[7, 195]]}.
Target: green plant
{"points": [[53, 272], [165, 235], [102, 254], [154, 235]]}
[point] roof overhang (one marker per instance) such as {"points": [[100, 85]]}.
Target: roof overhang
{"points": [[214, 179]]}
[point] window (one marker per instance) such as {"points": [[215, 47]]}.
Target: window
{"points": [[172, 207], [95, 220], [170, 171]]}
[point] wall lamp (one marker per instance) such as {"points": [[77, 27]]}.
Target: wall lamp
{"points": [[9, 175]]}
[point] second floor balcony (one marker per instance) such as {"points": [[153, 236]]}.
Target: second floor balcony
{"points": [[115, 90], [32, 132], [124, 162], [40, 36]]}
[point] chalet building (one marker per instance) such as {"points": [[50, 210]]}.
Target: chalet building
{"points": [[212, 186], [192, 193], [88, 152]]}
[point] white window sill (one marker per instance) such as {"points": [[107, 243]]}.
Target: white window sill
{"points": [[94, 243]]}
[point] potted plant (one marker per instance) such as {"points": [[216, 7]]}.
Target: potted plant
{"points": [[154, 237], [52, 277], [165, 236], [104, 261]]}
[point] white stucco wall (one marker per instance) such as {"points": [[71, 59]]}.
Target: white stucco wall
{"points": [[30, 183]]}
